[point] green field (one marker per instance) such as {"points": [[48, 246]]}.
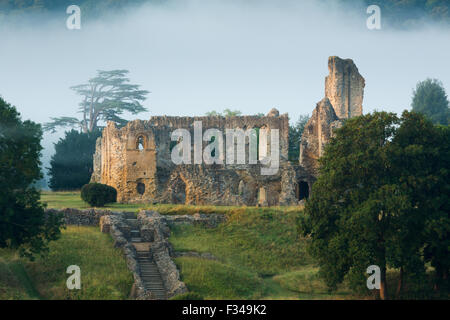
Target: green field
{"points": [[259, 256], [104, 273], [71, 199]]}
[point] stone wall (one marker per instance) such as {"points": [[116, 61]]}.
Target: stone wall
{"points": [[344, 93], [146, 173], [88, 217], [97, 162], [344, 87], [316, 134]]}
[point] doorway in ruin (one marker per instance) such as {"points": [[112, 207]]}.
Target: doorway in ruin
{"points": [[179, 191], [302, 190], [140, 188]]}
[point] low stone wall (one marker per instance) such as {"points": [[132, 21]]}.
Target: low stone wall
{"points": [[207, 220], [88, 217]]}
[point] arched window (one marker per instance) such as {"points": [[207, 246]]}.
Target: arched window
{"points": [[140, 143]]}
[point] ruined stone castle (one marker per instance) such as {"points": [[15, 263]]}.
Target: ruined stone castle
{"points": [[136, 159]]}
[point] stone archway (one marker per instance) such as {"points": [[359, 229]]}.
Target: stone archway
{"points": [[140, 188], [179, 191], [302, 190]]}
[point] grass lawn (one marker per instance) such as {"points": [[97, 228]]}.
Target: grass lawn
{"points": [[260, 256], [72, 199], [104, 273]]}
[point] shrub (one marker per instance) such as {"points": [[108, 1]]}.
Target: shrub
{"points": [[97, 194]]}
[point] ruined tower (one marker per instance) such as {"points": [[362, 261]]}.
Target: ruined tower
{"points": [[344, 87], [344, 93]]}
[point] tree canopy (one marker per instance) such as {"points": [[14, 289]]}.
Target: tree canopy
{"points": [[226, 113], [23, 223], [430, 98], [380, 199], [295, 135], [104, 98], [72, 164]]}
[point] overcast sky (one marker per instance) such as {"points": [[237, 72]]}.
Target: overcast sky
{"points": [[198, 56]]}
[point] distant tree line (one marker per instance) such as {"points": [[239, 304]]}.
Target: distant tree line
{"points": [[26, 6], [226, 113], [403, 13], [409, 13], [430, 99]]}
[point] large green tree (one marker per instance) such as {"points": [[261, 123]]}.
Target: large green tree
{"points": [[430, 98], [436, 203], [104, 98], [23, 223], [378, 200], [419, 156], [72, 163]]}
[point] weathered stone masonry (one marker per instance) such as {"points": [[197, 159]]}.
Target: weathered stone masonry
{"points": [[344, 93], [136, 159]]}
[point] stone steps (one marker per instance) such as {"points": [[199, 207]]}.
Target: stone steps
{"points": [[151, 276], [147, 267], [133, 223], [130, 215]]}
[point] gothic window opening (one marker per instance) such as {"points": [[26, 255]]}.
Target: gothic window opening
{"points": [[140, 143]]}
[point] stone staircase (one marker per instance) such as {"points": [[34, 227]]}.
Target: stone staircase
{"points": [[150, 275], [148, 270]]}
